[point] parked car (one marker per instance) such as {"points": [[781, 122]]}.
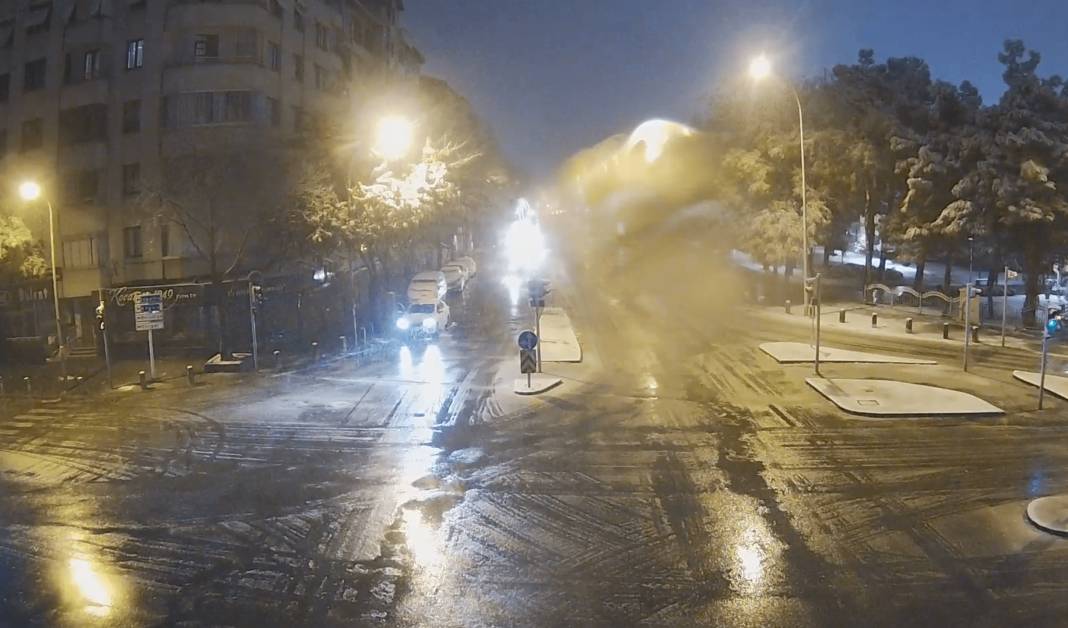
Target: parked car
{"points": [[428, 318], [455, 277], [468, 264], [427, 287]]}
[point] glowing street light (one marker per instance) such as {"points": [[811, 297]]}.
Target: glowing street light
{"points": [[393, 137], [31, 191], [760, 69]]}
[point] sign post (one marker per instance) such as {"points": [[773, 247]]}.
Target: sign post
{"points": [[1009, 274], [148, 316], [537, 289], [528, 361], [967, 322], [1053, 326]]}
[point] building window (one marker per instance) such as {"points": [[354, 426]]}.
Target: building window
{"points": [[131, 116], [34, 76], [246, 45], [206, 47], [322, 37], [274, 56], [84, 185], [131, 242], [39, 18], [320, 77], [135, 54], [91, 65], [165, 240], [131, 179], [298, 20], [204, 108], [32, 134], [238, 106], [276, 9], [298, 119], [298, 68], [274, 110], [88, 123], [80, 253], [5, 87]]}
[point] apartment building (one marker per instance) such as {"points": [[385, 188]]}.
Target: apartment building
{"points": [[93, 93]]}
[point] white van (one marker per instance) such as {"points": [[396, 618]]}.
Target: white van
{"points": [[427, 287]]}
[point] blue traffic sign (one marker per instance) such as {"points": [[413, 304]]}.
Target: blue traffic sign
{"points": [[527, 340]]}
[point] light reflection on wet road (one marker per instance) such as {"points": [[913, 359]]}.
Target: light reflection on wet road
{"points": [[678, 478]]}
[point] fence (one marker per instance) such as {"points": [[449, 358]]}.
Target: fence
{"points": [[989, 309]]}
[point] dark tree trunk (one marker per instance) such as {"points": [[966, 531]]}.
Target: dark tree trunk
{"points": [[882, 265], [921, 264], [827, 256], [1033, 283]]}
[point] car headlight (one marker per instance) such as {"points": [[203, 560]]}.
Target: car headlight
{"points": [[403, 324], [430, 324]]}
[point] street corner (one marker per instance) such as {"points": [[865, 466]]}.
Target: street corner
{"points": [[800, 352], [537, 384], [888, 398]]}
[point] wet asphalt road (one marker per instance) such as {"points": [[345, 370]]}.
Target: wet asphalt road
{"points": [[679, 477]]}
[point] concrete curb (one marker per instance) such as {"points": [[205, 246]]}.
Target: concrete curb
{"points": [[538, 384]]}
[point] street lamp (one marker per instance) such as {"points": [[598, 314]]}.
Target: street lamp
{"points": [[31, 191], [393, 137], [760, 69]]}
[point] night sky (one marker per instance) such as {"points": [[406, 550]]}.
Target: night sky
{"points": [[554, 76]]}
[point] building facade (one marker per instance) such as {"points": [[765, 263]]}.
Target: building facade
{"points": [[94, 93]]}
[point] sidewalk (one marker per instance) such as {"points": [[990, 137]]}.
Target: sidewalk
{"points": [[891, 324]]}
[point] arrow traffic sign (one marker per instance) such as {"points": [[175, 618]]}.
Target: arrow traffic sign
{"points": [[528, 362], [527, 340]]}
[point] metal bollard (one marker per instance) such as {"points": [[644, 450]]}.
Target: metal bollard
{"points": [[189, 374], [975, 333], [908, 325], [787, 306], [874, 320], [841, 316], [945, 331], [29, 385], [315, 351], [344, 344], [277, 359], [142, 379]]}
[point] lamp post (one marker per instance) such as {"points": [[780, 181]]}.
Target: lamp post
{"points": [[31, 191], [759, 69]]}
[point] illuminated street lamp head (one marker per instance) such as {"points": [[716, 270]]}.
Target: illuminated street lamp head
{"points": [[29, 190], [759, 67], [393, 137]]}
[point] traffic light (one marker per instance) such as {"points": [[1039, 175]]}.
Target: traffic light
{"points": [[537, 289], [257, 294], [1054, 326], [101, 322]]}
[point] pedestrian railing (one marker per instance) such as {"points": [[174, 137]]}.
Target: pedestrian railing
{"points": [[898, 294]]}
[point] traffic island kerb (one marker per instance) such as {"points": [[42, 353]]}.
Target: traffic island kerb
{"points": [[886, 398], [538, 384], [1050, 513]]}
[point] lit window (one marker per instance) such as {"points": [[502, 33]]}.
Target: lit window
{"points": [[135, 54]]}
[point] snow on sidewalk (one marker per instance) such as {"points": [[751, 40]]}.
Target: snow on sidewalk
{"points": [[886, 398], [1055, 384], [796, 352], [558, 342]]}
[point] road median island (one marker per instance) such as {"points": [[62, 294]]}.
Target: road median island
{"points": [[887, 398], [799, 352], [1055, 384], [558, 342]]}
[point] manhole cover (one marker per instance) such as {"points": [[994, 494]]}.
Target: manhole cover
{"points": [[867, 402]]}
